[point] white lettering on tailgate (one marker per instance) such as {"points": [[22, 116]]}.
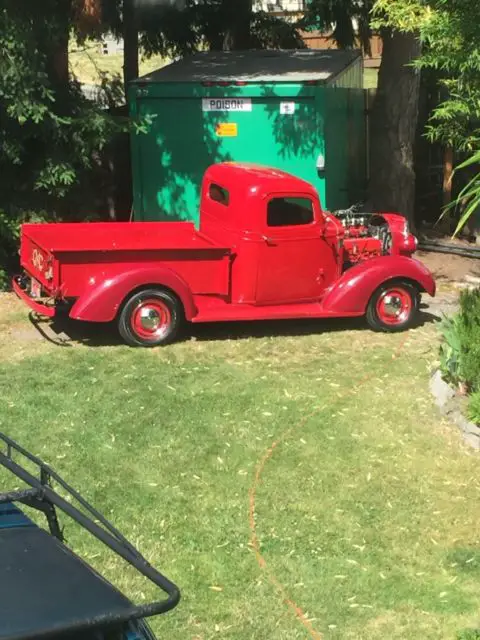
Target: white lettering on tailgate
{"points": [[37, 260]]}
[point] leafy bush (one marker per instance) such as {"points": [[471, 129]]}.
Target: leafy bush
{"points": [[450, 350], [460, 349], [9, 238], [474, 408], [470, 354]]}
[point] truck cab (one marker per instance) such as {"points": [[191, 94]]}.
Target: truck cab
{"points": [[286, 248], [264, 249]]}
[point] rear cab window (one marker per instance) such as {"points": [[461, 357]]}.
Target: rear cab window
{"points": [[290, 212], [219, 194]]}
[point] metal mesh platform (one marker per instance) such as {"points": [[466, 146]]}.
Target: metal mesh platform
{"points": [[46, 589]]}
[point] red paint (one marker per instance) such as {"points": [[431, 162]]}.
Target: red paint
{"points": [[350, 294], [240, 265], [38, 307], [109, 288]]}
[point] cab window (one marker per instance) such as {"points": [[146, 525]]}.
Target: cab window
{"points": [[289, 212], [219, 194]]}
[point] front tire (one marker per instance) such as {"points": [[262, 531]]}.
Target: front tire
{"points": [[150, 318], [393, 306]]}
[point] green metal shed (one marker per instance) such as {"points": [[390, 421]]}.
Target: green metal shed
{"points": [[297, 110]]}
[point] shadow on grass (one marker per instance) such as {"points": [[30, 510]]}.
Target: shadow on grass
{"points": [[64, 332], [465, 559]]}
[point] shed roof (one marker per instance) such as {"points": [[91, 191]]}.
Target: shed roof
{"points": [[292, 65]]}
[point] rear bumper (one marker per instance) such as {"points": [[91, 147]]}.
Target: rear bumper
{"points": [[39, 307]]}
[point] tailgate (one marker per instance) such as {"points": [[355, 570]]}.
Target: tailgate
{"points": [[37, 261]]}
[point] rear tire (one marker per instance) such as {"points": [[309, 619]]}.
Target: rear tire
{"points": [[393, 306], [150, 318]]}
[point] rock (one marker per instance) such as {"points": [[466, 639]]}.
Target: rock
{"points": [[442, 392], [464, 424], [465, 285], [473, 279], [450, 405], [472, 440], [472, 428]]}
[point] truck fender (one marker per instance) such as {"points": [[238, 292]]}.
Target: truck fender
{"points": [[352, 292], [104, 296]]}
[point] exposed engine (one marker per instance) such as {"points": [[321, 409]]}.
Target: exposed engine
{"points": [[368, 235]]}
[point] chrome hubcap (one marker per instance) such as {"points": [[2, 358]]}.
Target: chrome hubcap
{"points": [[393, 305], [149, 319]]}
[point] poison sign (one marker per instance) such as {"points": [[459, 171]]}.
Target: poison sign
{"points": [[226, 104]]}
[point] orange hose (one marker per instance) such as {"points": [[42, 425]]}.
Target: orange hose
{"points": [[254, 542]]}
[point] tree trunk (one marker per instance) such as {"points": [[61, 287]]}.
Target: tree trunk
{"points": [[130, 43], [238, 36], [393, 126]]}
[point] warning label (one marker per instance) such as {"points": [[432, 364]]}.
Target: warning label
{"points": [[226, 129]]}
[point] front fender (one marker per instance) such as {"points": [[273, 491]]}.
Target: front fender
{"points": [[351, 293], [102, 299]]}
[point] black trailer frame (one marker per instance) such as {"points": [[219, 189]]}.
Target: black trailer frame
{"points": [[42, 497]]}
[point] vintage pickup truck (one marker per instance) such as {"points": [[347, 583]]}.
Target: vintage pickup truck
{"points": [[264, 249]]}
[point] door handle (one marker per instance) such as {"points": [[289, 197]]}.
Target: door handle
{"points": [[270, 242]]}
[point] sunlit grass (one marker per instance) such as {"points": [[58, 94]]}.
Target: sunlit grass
{"points": [[89, 64], [367, 513]]}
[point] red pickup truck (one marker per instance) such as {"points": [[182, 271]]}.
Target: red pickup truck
{"points": [[265, 249]]}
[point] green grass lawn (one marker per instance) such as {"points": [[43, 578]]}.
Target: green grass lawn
{"points": [[366, 511]]}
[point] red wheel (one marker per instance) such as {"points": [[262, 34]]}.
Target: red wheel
{"points": [[150, 318], [393, 306]]}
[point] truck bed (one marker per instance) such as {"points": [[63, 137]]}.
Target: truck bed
{"points": [[117, 236]]}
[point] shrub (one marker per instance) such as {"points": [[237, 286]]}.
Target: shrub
{"points": [[9, 238], [460, 348], [470, 338], [474, 408], [450, 349]]}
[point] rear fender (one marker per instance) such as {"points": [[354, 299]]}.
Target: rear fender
{"points": [[103, 298], [352, 292]]}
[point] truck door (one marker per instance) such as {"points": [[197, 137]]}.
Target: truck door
{"points": [[296, 262]]}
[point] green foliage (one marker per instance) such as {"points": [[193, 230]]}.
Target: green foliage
{"points": [[469, 634], [211, 24], [460, 348], [469, 196], [450, 35], [338, 16], [450, 349], [9, 235], [50, 135], [474, 410]]}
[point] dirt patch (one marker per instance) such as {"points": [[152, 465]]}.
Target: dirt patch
{"points": [[10, 308], [448, 268]]}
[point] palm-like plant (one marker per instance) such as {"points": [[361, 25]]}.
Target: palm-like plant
{"points": [[469, 196]]}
